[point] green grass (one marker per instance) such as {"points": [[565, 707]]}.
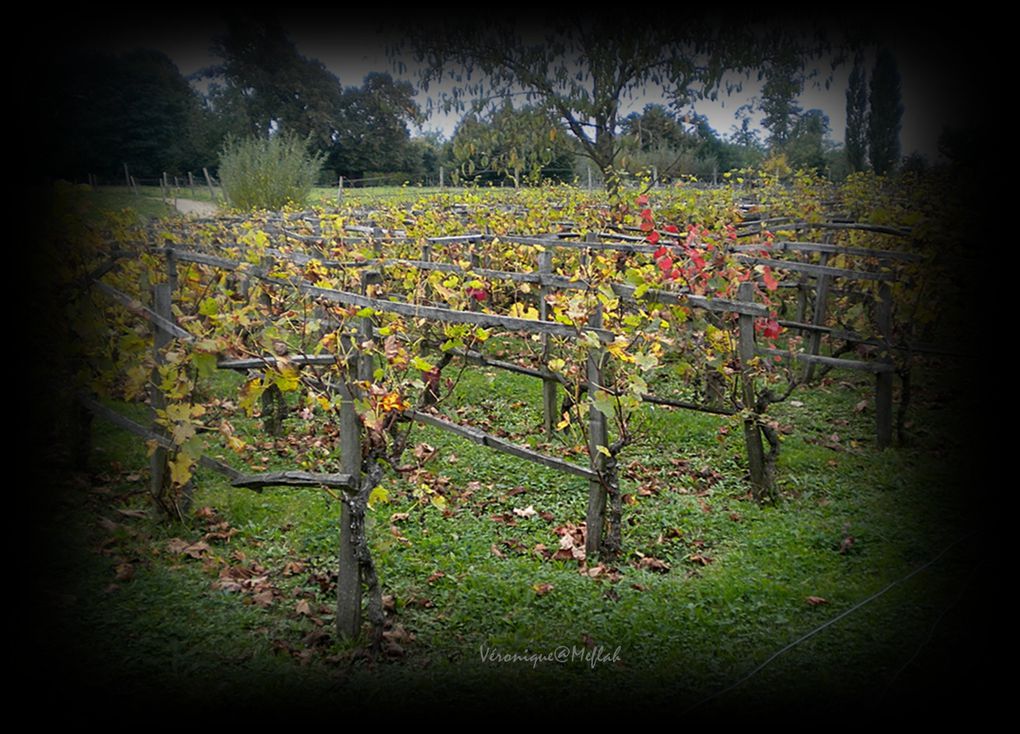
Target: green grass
{"points": [[682, 635]]}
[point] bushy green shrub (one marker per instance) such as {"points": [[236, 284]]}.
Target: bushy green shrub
{"points": [[268, 173]]}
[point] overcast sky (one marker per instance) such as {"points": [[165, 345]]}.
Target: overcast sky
{"points": [[933, 78]]}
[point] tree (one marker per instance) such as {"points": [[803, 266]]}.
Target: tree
{"points": [[511, 144], [654, 127], [806, 148], [371, 132], [783, 84], [271, 86], [886, 114], [581, 69], [857, 117], [101, 111]]}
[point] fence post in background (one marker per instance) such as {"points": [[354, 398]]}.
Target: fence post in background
{"points": [[191, 184], [884, 379], [550, 413], [821, 307], [377, 237], [340, 190], [208, 181], [752, 433], [442, 171], [134, 186], [589, 179], [127, 176], [655, 177], [598, 435]]}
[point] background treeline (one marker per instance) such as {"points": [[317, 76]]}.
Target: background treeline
{"points": [[101, 111]]}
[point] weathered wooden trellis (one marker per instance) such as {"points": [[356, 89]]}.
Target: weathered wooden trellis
{"points": [[601, 471], [815, 286]]}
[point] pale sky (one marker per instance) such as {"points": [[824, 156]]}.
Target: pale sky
{"points": [[932, 87]]}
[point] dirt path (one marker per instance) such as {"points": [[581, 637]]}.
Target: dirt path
{"points": [[199, 208]]}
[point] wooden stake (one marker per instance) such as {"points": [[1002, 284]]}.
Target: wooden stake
{"points": [[884, 380], [550, 412], [752, 434], [598, 435], [348, 601], [821, 306], [208, 180], [158, 468]]}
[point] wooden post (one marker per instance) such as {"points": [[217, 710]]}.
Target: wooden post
{"points": [[366, 365], [752, 434], [598, 435], [208, 181], [441, 176], [589, 179], [377, 237], [821, 307], [134, 186], [474, 305], [426, 251], [158, 469], [127, 176], [348, 601], [884, 380], [340, 191], [191, 184], [550, 413]]}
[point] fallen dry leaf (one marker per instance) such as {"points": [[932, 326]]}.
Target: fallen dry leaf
{"points": [[496, 551], [653, 564], [816, 601], [141, 514], [108, 524], [435, 576], [542, 589], [303, 608], [197, 550], [177, 545], [125, 571], [399, 516], [528, 511], [263, 598]]}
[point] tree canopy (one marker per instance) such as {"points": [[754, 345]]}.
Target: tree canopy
{"points": [[102, 110], [518, 145], [582, 70], [885, 115], [857, 116]]}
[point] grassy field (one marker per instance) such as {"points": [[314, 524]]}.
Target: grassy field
{"points": [[710, 587], [148, 199]]}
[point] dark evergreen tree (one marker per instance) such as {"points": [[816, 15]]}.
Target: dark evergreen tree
{"points": [[885, 115], [857, 117]]}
